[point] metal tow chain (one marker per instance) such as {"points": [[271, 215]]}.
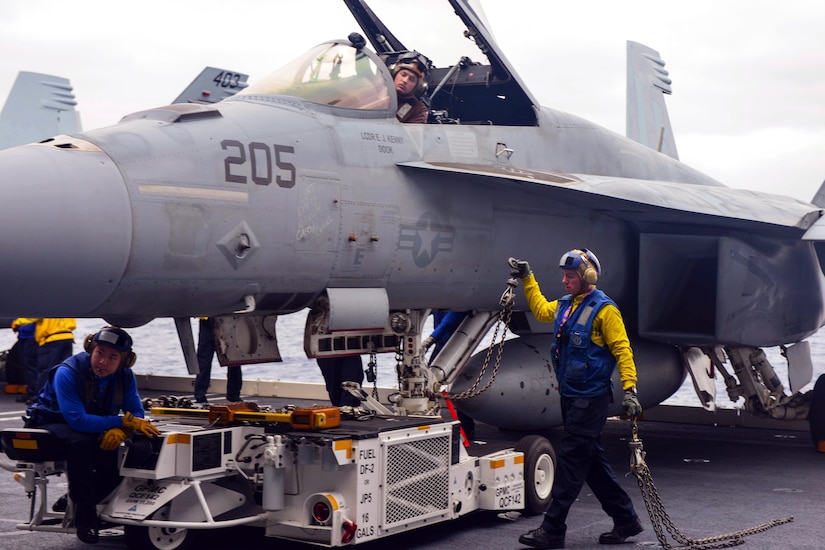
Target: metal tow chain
{"points": [[506, 302], [660, 518], [372, 373], [399, 363]]}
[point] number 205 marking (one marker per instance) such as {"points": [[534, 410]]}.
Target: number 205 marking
{"points": [[260, 161]]}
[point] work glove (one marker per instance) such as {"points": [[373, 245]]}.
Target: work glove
{"points": [[112, 438], [631, 404], [519, 268], [139, 425], [427, 343]]}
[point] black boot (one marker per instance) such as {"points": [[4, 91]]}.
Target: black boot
{"points": [[86, 523], [621, 532], [539, 538], [61, 504]]}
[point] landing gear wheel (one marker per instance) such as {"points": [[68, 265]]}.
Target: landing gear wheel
{"points": [[816, 415], [160, 538], [539, 473]]}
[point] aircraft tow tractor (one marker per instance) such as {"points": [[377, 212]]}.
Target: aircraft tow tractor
{"points": [[326, 476]]}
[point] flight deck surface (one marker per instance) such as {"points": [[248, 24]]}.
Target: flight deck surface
{"points": [[712, 480]]}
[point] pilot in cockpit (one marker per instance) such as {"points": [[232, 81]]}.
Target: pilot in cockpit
{"points": [[409, 74]]}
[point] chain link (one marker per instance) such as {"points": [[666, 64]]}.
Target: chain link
{"points": [[372, 370], [504, 317], [399, 363], [662, 521]]}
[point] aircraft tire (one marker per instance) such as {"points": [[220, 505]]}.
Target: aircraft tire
{"points": [[161, 538], [816, 414], [539, 472]]}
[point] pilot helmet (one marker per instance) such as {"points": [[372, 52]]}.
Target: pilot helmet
{"points": [[584, 262], [415, 62]]}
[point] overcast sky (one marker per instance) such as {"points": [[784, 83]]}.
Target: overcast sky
{"points": [[748, 103]]}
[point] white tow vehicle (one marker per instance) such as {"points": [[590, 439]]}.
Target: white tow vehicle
{"points": [[305, 475]]}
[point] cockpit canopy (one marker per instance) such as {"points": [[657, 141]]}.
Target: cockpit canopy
{"points": [[334, 74], [341, 75]]}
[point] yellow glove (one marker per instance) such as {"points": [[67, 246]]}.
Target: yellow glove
{"points": [[139, 425], [111, 439]]}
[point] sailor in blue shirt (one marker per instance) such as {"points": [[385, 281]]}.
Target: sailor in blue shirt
{"points": [[81, 404]]}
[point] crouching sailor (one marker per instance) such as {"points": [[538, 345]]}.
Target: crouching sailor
{"points": [[81, 404]]}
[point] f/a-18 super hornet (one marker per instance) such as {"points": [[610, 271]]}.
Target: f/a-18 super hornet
{"points": [[304, 190]]}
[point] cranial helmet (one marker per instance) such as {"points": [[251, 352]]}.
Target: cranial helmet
{"points": [[584, 262], [116, 338], [415, 62]]}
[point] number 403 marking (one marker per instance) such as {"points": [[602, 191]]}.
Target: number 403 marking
{"points": [[259, 157]]}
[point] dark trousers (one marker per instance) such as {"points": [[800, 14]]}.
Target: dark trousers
{"points": [[206, 351], [93, 473], [49, 355], [341, 369], [581, 458], [28, 357]]}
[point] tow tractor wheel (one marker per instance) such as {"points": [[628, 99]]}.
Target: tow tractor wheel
{"points": [[160, 538], [539, 472]]}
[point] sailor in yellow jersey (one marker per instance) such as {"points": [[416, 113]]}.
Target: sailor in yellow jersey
{"points": [[589, 341]]}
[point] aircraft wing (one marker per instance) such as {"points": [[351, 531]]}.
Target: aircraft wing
{"points": [[648, 203]]}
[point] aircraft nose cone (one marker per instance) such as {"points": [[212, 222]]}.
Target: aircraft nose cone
{"points": [[65, 228]]}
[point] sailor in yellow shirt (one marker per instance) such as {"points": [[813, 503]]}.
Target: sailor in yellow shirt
{"points": [[589, 341], [55, 340], [608, 331]]}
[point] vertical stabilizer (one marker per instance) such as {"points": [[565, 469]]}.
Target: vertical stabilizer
{"points": [[647, 82], [819, 197], [39, 106], [213, 85]]}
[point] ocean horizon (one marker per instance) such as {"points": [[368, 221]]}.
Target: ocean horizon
{"points": [[158, 352]]}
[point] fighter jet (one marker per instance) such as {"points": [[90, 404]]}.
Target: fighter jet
{"points": [[304, 190]]}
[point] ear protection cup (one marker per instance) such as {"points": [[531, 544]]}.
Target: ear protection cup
{"points": [[129, 360], [589, 274], [421, 87], [88, 344]]}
